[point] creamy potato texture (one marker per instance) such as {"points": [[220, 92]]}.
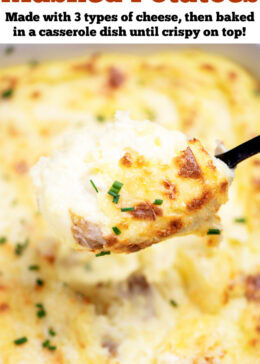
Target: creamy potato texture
{"points": [[182, 301], [130, 185]]}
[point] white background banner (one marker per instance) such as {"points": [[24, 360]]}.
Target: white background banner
{"points": [[127, 22]]}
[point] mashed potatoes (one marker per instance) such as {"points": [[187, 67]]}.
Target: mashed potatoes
{"points": [[169, 186], [182, 301]]}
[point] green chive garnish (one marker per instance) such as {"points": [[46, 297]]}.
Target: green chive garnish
{"points": [[41, 310], [113, 193], [39, 282], [46, 343], [213, 232], [3, 240], [257, 92], [93, 184], [158, 202], [33, 63], [125, 209], [21, 340], [116, 230], [52, 347], [51, 332], [34, 267], [7, 93], [240, 220], [9, 50], [117, 185], [101, 254], [116, 199], [20, 247], [100, 118], [173, 303]]}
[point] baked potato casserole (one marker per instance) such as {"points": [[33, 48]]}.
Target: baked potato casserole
{"points": [[184, 301]]}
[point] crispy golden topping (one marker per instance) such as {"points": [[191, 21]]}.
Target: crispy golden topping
{"points": [[253, 287], [188, 165], [197, 203], [146, 211]]}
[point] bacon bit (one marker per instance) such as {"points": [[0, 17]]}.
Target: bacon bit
{"points": [[116, 78], [137, 284], [224, 186], [89, 66], [49, 258], [172, 189], [140, 161], [256, 162], [35, 94], [4, 307], [21, 167], [111, 346], [257, 329], [253, 342], [146, 211], [85, 233], [232, 75], [197, 203], [256, 183], [189, 167], [252, 288], [133, 248], [126, 160], [207, 67], [12, 131]]}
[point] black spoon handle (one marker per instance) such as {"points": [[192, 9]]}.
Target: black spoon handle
{"points": [[243, 151]]}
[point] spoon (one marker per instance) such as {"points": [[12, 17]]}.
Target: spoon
{"points": [[241, 152]]}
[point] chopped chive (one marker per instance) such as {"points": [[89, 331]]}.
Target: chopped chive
{"points": [[112, 193], [9, 50], [116, 230], [100, 118], [101, 254], [51, 332], [257, 92], [213, 232], [34, 267], [20, 247], [93, 184], [87, 266], [41, 313], [173, 303], [21, 340], [125, 209], [158, 202], [116, 199], [39, 305], [46, 343], [52, 347], [7, 93], [33, 63], [240, 220], [3, 240], [39, 282], [117, 185]]}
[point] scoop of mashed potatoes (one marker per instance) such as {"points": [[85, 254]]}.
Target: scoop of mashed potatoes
{"points": [[129, 185]]}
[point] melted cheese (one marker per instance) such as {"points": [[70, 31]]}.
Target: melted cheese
{"points": [[116, 309]]}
